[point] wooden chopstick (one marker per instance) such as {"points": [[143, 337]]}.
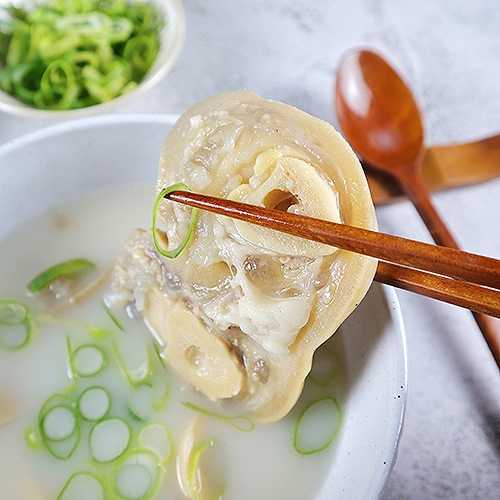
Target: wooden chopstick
{"points": [[446, 274], [432, 258], [459, 293]]}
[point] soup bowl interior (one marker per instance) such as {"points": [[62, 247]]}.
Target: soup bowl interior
{"points": [[51, 166]]}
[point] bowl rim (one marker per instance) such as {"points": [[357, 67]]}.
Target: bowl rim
{"points": [[84, 122], [401, 384]]}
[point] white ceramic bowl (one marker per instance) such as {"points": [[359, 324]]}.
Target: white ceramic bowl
{"points": [[172, 39], [43, 169]]}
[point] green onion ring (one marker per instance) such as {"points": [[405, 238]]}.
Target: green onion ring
{"points": [[300, 443], [14, 313], [172, 254], [240, 422], [66, 268]]}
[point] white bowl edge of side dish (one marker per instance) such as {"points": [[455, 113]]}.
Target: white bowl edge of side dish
{"points": [[172, 39], [45, 168]]}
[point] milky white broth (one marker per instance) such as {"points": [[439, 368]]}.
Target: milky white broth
{"points": [[259, 464]]}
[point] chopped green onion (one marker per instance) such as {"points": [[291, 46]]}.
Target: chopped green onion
{"points": [[317, 426], [16, 326], [159, 356], [94, 403], [193, 471], [85, 361], [72, 54], [113, 318], [160, 392], [59, 426], [194, 477], [140, 52], [99, 333], [138, 475], [140, 403], [12, 312], [66, 268], [145, 17], [31, 439], [151, 387], [88, 360], [82, 486], [71, 364], [109, 439], [242, 423], [136, 415], [135, 361], [137, 461], [155, 436], [59, 423], [171, 254]]}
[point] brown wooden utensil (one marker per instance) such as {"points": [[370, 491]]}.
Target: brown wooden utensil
{"points": [[403, 259], [381, 120], [443, 167]]}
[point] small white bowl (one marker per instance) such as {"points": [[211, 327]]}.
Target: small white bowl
{"points": [[172, 39]]}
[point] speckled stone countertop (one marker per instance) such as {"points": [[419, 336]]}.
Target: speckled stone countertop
{"points": [[450, 53]]}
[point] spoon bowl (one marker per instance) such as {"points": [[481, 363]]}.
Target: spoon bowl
{"points": [[377, 111], [381, 120]]}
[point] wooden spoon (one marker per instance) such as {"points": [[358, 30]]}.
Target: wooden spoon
{"points": [[381, 120]]}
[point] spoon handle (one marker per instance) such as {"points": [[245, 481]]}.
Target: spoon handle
{"points": [[414, 187], [413, 184]]}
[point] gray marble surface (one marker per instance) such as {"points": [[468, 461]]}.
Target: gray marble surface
{"points": [[450, 53]]}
